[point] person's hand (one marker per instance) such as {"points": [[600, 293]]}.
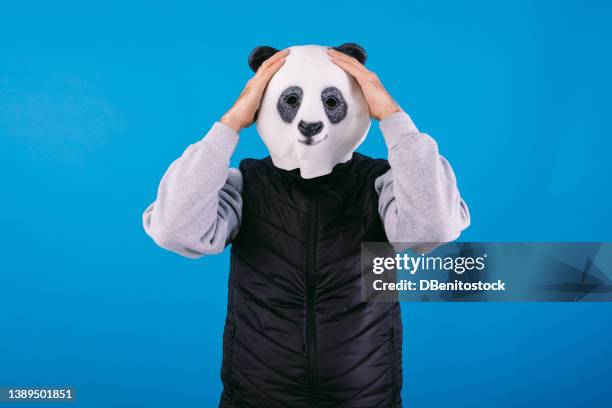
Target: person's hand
{"points": [[242, 113], [380, 102]]}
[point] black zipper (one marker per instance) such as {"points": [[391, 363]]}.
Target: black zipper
{"points": [[393, 366], [311, 339]]}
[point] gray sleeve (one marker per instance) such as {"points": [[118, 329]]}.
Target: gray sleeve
{"points": [[199, 201], [418, 197]]}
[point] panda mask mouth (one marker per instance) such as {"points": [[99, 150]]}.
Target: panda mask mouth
{"points": [[311, 141]]}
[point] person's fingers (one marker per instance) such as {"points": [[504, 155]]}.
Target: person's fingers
{"points": [[260, 81], [269, 71], [350, 68], [360, 74], [263, 74], [272, 60], [348, 59]]}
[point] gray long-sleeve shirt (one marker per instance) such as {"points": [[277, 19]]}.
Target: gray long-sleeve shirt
{"points": [[199, 200]]}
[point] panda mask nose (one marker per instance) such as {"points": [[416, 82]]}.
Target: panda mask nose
{"points": [[310, 129]]}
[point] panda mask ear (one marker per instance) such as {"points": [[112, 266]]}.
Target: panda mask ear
{"points": [[353, 50], [259, 55]]}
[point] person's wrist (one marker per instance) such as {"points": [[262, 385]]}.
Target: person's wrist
{"points": [[229, 120], [388, 111]]}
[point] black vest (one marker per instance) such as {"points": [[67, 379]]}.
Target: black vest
{"points": [[297, 334]]}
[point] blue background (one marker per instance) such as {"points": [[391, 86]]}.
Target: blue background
{"points": [[96, 100]]}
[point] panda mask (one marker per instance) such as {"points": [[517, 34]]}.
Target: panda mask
{"points": [[313, 115]]}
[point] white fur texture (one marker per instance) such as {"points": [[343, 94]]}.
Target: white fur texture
{"points": [[311, 68]]}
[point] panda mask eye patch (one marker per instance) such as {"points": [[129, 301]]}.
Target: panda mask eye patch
{"points": [[289, 103], [334, 104]]}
